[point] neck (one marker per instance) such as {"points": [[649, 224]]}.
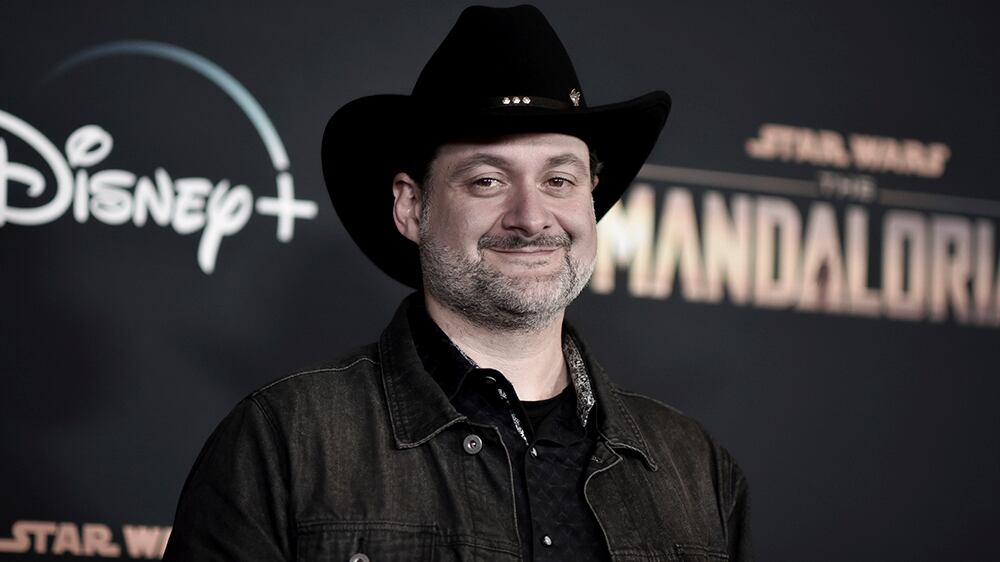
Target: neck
{"points": [[531, 360]]}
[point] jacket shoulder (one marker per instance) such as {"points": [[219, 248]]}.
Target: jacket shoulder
{"points": [[354, 361], [659, 419], [331, 383], [673, 434]]}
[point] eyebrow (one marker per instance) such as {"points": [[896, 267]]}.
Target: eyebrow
{"points": [[476, 160], [483, 159], [567, 160]]}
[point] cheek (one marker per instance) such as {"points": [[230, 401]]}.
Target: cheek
{"points": [[580, 223], [459, 228], [587, 241]]}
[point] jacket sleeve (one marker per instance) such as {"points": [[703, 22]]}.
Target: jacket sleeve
{"points": [[234, 505], [736, 508]]}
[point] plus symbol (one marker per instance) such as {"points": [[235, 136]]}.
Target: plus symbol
{"points": [[286, 207]]}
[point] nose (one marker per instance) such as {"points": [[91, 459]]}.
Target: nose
{"points": [[526, 212]]}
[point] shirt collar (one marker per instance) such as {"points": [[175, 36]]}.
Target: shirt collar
{"points": [[450, 366], [443, 360]]}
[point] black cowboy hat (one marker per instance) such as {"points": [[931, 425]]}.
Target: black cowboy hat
{"points": [[499, 71]]}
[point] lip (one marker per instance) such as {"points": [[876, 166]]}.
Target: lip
{"points": [[527, 251]]}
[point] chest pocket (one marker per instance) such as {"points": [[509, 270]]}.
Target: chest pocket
{"points": [[365, 541], [693, 553]]}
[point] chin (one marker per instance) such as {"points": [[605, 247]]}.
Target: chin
{"points": [[534, 292]]}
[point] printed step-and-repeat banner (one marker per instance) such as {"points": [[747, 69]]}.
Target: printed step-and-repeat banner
{"points": [[807, 263]]}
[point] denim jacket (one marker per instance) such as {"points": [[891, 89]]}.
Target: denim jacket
{"points": [[366, 460]]}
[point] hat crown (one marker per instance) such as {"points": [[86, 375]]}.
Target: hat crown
{"points": [[492, 53]]}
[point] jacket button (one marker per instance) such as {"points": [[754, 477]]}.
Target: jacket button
{"points": [[547, 540], [358, 557], [472, 444]]}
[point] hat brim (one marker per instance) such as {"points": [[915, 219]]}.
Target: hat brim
{"points": [[371, 139]]}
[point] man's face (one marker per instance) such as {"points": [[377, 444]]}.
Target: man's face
{"points": [[507, 231]]}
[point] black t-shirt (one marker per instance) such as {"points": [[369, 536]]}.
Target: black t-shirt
{"points": [[538, 410]]}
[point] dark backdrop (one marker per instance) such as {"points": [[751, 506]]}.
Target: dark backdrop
{"points": [[865, 435]]}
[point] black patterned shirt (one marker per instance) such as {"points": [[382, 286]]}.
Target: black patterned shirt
{"points": [[549, 443]]}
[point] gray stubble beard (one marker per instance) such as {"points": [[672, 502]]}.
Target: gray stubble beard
{"points": [[488, 298]]}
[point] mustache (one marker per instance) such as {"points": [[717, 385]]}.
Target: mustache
{"points": [[517, 242]]}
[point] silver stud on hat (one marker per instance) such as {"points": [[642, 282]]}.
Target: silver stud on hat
{"points": [[516, 100], [574, 96]]}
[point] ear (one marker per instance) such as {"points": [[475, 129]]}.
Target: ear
{"points": [[593, 185], [406, 206]]}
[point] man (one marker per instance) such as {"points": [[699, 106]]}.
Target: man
{"points": [[479, 427]]}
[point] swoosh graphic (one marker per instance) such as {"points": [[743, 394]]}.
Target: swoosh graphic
{"points": [[230, 85]]}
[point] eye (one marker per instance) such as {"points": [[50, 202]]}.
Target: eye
{"points": [[486, 184], [559, 183]]}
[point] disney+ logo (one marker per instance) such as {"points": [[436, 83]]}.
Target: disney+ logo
{"points": [[114, 197]]}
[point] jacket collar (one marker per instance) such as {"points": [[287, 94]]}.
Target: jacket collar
{"points": [[419, 409], [615, 423]]}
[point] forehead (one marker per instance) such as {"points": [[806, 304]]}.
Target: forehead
{"points": [[529, 148]]}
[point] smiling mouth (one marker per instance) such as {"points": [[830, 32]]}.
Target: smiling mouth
{"points": [[527, 250], [530, 257], [518, 245]]}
